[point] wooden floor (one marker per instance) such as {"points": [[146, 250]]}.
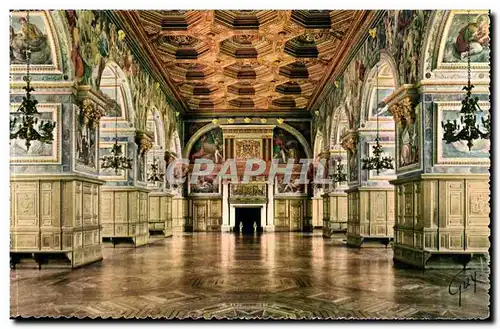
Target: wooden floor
{"points": [[273, 275]]}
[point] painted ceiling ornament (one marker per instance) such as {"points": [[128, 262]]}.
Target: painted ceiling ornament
{"points": [[373, 32], [121, 35], [247, 120], [26, 122], [263, 120], [468, 129], [215, 121], [280, 120], [230, 120]]}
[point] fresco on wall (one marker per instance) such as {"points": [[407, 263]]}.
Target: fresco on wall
{"points": [[110, 92], [190, 128], [34, 33], [476, 30], [388, 150], [95, 42], [286, 147], [205, 184], [400, 33], [209, 146], [304, 127], [290, 188], [85, 138], [458, 151], [38, 151], [408, 138], [382, 94]]}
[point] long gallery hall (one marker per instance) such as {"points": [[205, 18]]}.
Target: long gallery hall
{"points": [[257, 164]]}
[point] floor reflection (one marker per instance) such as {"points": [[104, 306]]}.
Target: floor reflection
{"points": [[276, 275]]}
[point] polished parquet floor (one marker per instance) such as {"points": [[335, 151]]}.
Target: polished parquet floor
{"points": [[281, 275]]}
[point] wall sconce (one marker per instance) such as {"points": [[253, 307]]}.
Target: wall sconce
{"points": [[215, 121], [230, 120], [280, 120], [247, 120], [263, 120]]}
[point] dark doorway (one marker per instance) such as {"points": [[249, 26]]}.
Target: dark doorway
{"points": [[248, 217]]}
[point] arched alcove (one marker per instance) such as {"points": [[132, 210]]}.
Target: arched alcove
{"points": [[123, 94]]}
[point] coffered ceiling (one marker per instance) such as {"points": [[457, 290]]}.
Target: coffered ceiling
{"points": [[245, 61]]}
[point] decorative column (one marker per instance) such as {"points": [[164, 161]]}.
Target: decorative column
{"points": [[335, 198], [55, 220], [125, 201], [442, 199], [160, 200], [370, 197]]}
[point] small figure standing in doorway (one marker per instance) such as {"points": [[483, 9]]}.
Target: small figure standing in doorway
{"points": [[241, 227], [255, 227]]}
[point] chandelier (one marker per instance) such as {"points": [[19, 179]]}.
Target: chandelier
{"points": [[26, 122], [377, 161], [467, 130], [155, 174], [339, 175], [116, 160]]}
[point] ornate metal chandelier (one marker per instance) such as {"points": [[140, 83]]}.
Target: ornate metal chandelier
{"points": [[377, 161], [339, 175], [116, 160], [468, 129], [155, 174], [26, 123]]}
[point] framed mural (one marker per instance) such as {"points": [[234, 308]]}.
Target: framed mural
{"points": [[286, 146], [409, 142], [85, 142], [458, 153], [460, 27], [109, 173], [389, 149], [209, 146], [38, 151], [40, 33]]}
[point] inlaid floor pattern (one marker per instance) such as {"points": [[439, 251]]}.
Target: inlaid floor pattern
{"points": [[226, 276]]}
